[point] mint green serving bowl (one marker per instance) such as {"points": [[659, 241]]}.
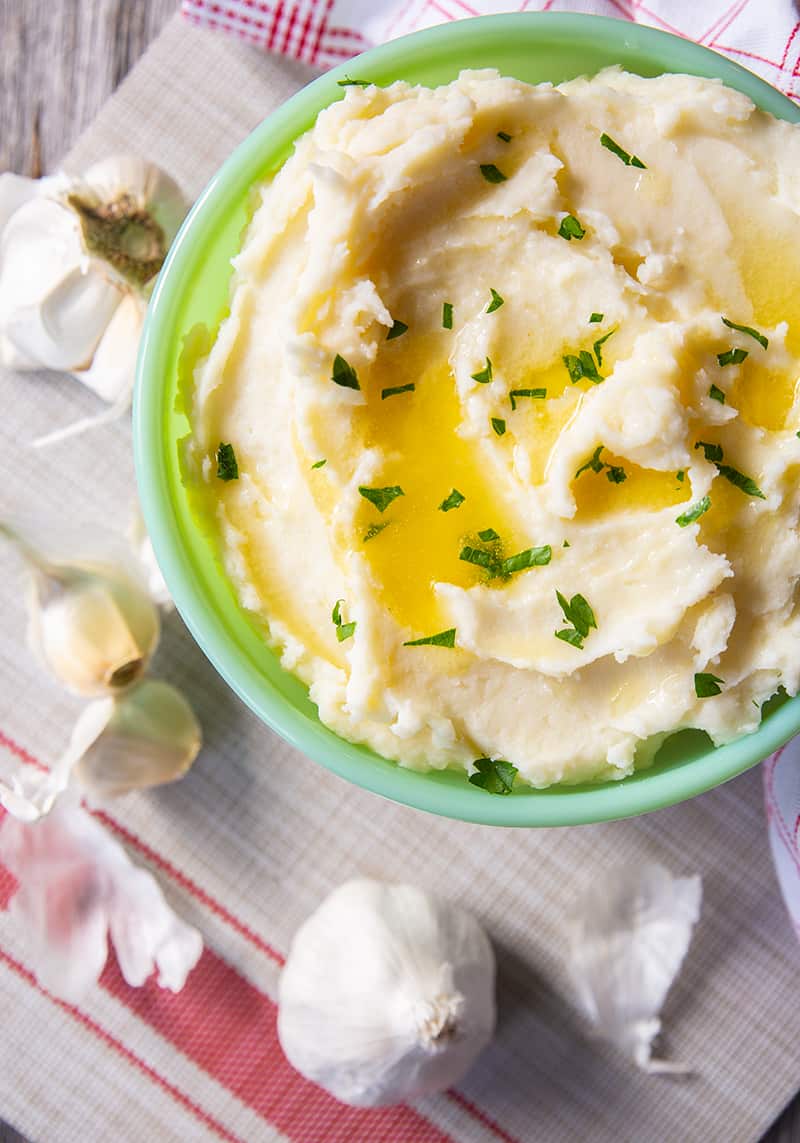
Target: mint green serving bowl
{"points": [[193, 288]]}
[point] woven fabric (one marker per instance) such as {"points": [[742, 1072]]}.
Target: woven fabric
{"points": [[256, 835], [760, 34]]}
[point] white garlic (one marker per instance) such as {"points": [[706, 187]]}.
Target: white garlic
{"points": [[627, 941], [143, 549], [77, 261], [387, 994], [92, 624]]}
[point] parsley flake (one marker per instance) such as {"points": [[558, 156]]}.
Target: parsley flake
{"points": [[579, 613], [488, 534], [319, 463], [343, 630], [537, 394], [566, 544], [594, 463], [479, 557], [582, 366], [397, 330], [712, 452], [348, 82], [748, 329], [504, 136], [694, 513], [570, 228], [227, 465], [600, 342], [483, 376], [716, 394], [492, 174], [442, 639], [494, 775], [381, 497], [680, 475], [707, 685], [454, 500], [373, 530], [616, 473], [595, 318], [738, 479], [395, 389], [615, 149], [732, 356], [499, 425], [530, 558], [496, 302], [344, 374], [447, 315]]}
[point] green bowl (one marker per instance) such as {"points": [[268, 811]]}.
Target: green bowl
{"points": [[193, 288]]}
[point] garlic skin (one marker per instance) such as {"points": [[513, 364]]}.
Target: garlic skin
{"points": [[387, 994], [141, 544], [77, 889], [148, 737], [627, 941], [77, 261]]}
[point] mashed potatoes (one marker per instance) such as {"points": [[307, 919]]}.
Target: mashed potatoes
{"points": [[509, 387]]}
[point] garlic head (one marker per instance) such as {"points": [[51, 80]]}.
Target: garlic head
{"points": [[387, 994]]}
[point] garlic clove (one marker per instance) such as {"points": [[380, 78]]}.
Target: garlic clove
{"points": [[113, 367], [143, 548], [150, 737], [15, 191], [387, 994], [626, 946]]}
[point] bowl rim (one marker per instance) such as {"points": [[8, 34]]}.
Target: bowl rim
{"points": [[556, 806]]}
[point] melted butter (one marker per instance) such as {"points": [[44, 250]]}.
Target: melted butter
{"points": [[597, 497], [763, 396], [427, 458]]}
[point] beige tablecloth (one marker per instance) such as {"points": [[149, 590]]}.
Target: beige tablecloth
{"points": [[252, 839]]}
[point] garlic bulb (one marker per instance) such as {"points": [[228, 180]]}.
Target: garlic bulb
{"points": [[77, 260], [93, 624], [387, 994], [627, 942]]}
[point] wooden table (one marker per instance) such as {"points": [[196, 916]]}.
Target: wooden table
{"points": [[59, 62]]}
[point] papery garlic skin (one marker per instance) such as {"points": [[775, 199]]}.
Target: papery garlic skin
{"points": [[77, 887], [94, 627], [77, 260], [387, 994], [150, 737], [627, 941]]}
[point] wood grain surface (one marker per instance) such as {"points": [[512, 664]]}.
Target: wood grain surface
{"points": [[59, 62]]}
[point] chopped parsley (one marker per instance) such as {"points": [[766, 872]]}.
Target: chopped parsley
{"points": [[582, 365], [594, 462], [530, 558], [479, 557], [504, 136], [343, 630], [716, 394], [494, 775], [615, 149], [344, 374], [227, 465], [535, 393], [680, 475], [442, 639], [577, 612], [712, 452], [732, 356], [348, 82], [492, 174], [738, 479], [694, 513], [600, 342], [488, 534], [595, 318], [496, 302], [483, 376], [381, 497], [570, 228], [454, 500], [395, 389], [499, 425], [397, 330], [447, 315], [374, 529], [706, 685], [748, 329], [566, 544], [319, 463], [616, 473], [746, 484]]}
